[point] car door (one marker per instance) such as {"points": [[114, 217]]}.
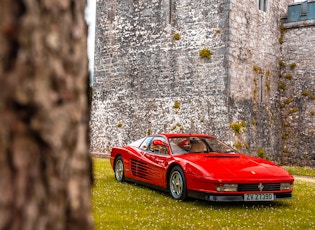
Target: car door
{"points": [[158, 159], [140, 166]]}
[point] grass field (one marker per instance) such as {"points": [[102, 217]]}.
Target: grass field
{"points": [[300, 171], [126, 206]]}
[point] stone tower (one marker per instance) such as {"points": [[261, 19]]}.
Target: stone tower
{"points": [[150, 76], [297, 96]]}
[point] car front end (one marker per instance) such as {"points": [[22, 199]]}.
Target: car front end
{"points": [[240, 189]]}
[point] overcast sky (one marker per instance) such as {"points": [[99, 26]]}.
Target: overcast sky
{"points": [[90, 19]]}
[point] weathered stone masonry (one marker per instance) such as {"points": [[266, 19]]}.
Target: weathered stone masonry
{"points": [[298, 77], [146, 81]]}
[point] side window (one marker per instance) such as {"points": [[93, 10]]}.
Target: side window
{"points": [[145, 144], [157, 148]]}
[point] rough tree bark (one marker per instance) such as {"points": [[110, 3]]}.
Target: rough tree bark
{"points": [[45, 168]]}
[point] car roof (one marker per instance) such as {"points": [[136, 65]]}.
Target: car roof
{"points": [[168, 135]]}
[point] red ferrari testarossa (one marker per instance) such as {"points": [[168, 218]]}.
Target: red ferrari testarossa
{"points": [[200, 166]]}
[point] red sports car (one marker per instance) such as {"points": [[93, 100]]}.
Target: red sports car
{"points": [[200, 166]]}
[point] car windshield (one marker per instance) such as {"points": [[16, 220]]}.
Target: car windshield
{"points": [[182, 145]]}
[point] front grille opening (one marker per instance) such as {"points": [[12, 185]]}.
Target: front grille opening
{"points": [[259, 187]]}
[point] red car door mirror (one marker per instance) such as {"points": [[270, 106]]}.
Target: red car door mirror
{"points": [[159, 143]]}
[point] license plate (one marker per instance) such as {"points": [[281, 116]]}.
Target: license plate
{"points": [[259, 197]]}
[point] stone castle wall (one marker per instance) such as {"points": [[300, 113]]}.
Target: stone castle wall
{"points": [[254, 53], [298, 93], [146, 81], [149, 82]]}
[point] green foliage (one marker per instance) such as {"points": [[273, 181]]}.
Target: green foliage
{"points": [[285, 136], [205, 53], [238, 127], [238, 145], [293, 65], [258, 69], [254, 122], [120, 125], [281, 63], [288, 76], [128, 206], [281, 40], [149, 132], [287, 124], [293, 110], [268, 73], [287, 101], [176, 105], [261, 153], [281, 86], [267, 85], [282, 29], [306, 93], [176, 36], [179, 125], [282, 32], [312, 113]]}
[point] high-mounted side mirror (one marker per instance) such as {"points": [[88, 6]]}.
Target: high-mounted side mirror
{"points": [[159, 143]]}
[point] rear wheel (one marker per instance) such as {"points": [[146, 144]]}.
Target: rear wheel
{"points": [[119, 169], [177, 184]]}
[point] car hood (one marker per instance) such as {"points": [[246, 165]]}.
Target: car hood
{"points": [[220, 166]]}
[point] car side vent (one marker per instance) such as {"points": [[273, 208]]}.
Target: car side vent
{"points": [[139, 169]]}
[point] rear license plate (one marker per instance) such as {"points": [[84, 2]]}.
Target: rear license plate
{"points": [[259, 197]]}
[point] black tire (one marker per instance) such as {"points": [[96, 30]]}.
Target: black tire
{"points": [[177, 184], [119, 169]]}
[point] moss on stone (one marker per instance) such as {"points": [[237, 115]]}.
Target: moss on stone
{"points": [[176, 36], [176, 105], [238, 127], [306, 93], [205, 53], [293, 65]]}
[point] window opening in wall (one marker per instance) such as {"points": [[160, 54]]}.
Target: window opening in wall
{"points": [[304, 8], [261, 89], [170, 12], [262, 5]]}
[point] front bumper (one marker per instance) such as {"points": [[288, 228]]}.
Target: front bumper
{"points": [[231, 198]]}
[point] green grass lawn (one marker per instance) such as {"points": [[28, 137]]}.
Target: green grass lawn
{"points": [[300, 171], [126, 206]]}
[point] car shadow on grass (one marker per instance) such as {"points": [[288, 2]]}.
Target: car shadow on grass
{"points": [[240, 204]]}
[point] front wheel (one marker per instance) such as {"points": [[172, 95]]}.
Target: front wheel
{"points": [[177, 184], [119, 169]]}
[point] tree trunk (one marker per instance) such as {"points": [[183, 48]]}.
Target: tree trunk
{"points": [[45, 168]]}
